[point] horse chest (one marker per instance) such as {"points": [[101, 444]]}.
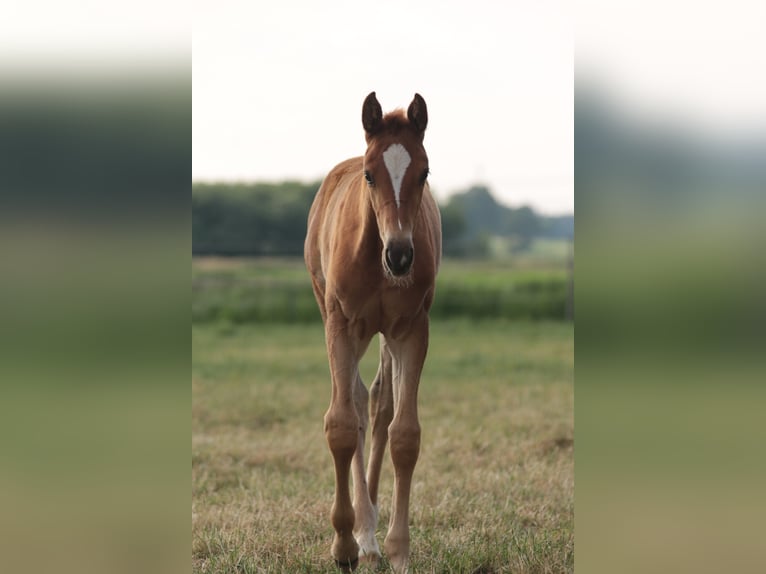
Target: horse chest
{"points": [[371, 308]]}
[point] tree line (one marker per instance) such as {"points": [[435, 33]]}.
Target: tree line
{"points": [[270, 219]]}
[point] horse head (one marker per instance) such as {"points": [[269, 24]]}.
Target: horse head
{"points": [[396, 172]]}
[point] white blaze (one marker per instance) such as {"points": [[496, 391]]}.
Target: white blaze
{"points": [[397, 160]]}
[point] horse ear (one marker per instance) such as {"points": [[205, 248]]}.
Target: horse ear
{"points": [[417, 113], [372, 114]]}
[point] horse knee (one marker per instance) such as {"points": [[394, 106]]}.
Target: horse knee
{"points": [[404, 440], [342, 432]]}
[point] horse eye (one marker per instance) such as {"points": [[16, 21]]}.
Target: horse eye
{"points": [[368, 177], [424, 177]]}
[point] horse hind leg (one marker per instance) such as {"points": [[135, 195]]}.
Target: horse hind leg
{"points": [[366, 515], [381, 411]]}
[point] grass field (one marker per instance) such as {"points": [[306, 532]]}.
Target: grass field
{"points": [[493, 489], [241, 290]]}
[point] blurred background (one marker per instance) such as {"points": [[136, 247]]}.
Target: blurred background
{"points": [[95, 128], [670, 182]]}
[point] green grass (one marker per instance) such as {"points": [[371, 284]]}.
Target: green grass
{"points": [[493, 489], [279, 290]]}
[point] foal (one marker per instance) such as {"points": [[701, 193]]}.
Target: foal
{"points": [[373, 248]]}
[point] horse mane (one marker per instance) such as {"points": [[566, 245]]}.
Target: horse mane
{"points": [[394, 122]]}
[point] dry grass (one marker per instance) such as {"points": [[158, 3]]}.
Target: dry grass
{"points": [[493, 489]]}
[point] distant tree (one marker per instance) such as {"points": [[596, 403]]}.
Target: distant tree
{"points": [[250, 218], [485, 217], [558, 227], [453, 230], [482, 213], [270, 219], [524, 226]]}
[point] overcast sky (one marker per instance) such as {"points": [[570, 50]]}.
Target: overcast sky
{"points": [[278, 89], [682, 61]]}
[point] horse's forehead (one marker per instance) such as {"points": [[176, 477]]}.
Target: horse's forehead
{"points": [[396, 151], [396, 158]]}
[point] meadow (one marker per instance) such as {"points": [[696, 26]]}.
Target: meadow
{"points": [[494, 487], [241, 290]]}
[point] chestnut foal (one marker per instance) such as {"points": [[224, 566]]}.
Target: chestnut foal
{"points": [[373, 249]]}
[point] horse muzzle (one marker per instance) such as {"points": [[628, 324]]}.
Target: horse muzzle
{"points": [[399, 256]]}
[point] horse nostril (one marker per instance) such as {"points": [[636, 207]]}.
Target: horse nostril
{"points": [[407, 256], [389, 262], [399, 258]]}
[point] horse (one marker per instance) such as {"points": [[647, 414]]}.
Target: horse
{"points": [[373, 249]]}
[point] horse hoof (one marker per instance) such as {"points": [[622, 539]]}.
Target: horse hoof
{"points": [[348, 566], [369, 551], [372, 559]]}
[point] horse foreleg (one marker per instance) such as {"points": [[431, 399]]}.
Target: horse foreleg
{"points": [[366, 515], [341, 424], [404, 436]]}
